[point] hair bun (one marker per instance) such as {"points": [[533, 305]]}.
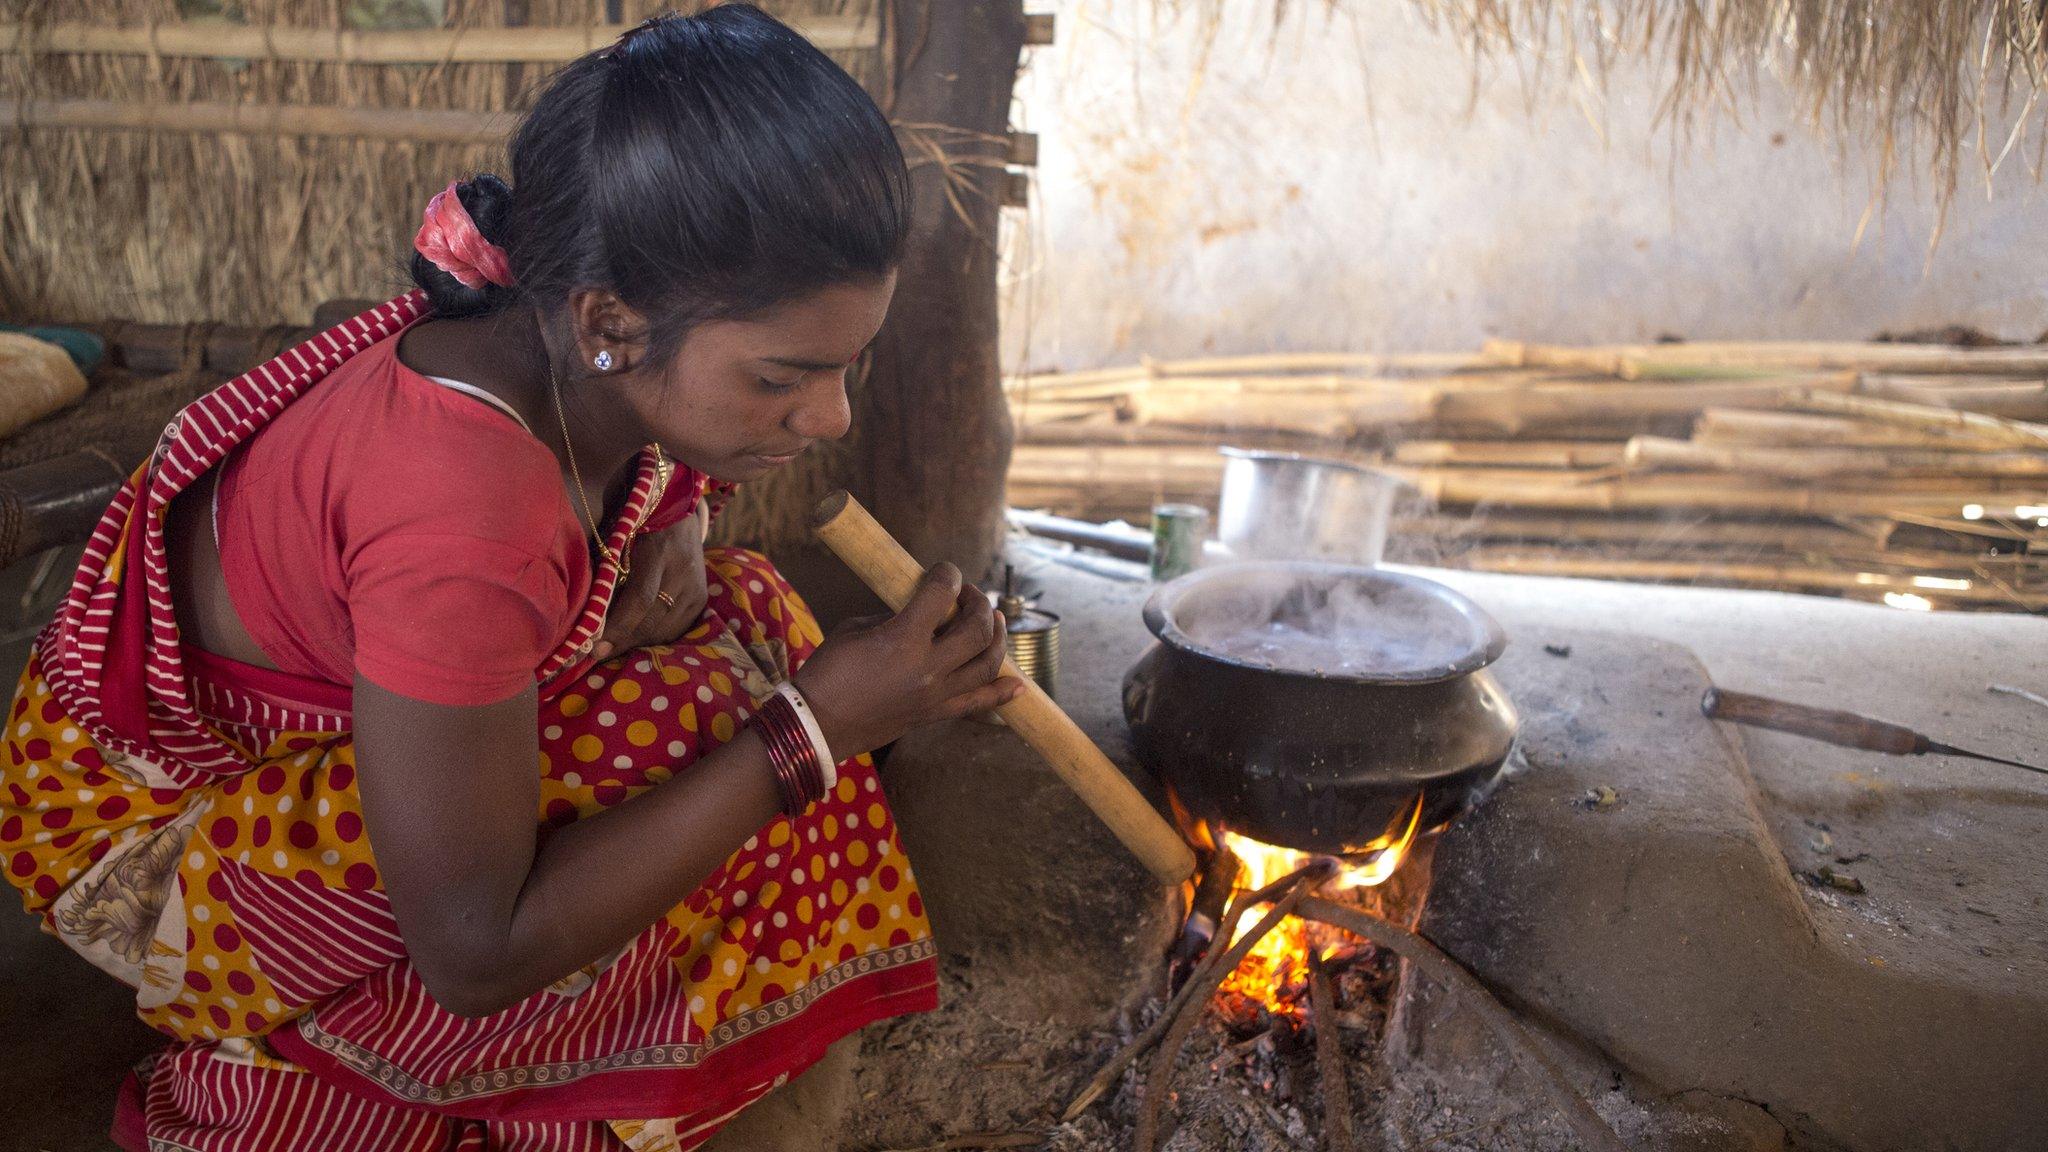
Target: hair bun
{"points": [[488, 200]]}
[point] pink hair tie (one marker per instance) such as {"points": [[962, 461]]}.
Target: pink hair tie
{"points": [[452, 241]]}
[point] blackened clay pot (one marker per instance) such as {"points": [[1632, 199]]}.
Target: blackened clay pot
{"points": [[1307, 704]]}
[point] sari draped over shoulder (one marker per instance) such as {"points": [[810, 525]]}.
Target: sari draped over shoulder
{"points": [[191, 825]]}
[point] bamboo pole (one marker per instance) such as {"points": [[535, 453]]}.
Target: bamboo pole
{"points": [[1994, 570], [1657, 452], [1086, 432], [1519, 354], [1487, 487], [1688, 530], [1269, 364], [1078, 458], [1035, 410], [1321, 385], [882, 564], [2014, 399], [2016, 531], [220, 41], [1771, 575], [1307, 415], [417, 125], [1583, 406], [1997, 428], [1509, 453], [1632, 361], [2004, 488], [1338, 362], [1746, 426]]}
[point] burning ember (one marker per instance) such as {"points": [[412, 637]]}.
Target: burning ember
{"points": [[1304, 982], [1275, 973]]}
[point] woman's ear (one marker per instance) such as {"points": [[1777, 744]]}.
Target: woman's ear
{"points": [[610, 336]]}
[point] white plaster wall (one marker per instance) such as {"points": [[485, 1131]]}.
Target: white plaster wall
{"points": [[1342, 184]]}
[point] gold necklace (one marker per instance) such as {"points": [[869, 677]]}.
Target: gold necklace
{"points": [[569, 448]]}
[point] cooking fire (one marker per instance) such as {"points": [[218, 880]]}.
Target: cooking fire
{"points": [[1275, 973]]}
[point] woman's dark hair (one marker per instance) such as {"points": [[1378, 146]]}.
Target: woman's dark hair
{"points": [[700, 167]]}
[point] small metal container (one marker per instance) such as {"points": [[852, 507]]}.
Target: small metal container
{"points": [[1177, 534], [1033, 642], [1283, 506]]}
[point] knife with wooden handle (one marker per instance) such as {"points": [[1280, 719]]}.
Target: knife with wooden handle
{"points": [[1843, 729]]}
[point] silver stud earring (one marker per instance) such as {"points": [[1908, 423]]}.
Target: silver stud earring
{"points": [[603, 360]]}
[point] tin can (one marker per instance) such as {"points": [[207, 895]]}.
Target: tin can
{"points": [[1177, 534], [1033, 642]]}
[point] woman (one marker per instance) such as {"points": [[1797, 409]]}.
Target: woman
{"points": [[274, 762]]}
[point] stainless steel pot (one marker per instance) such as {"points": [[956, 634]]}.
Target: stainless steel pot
{"points": [[1284, 506]]}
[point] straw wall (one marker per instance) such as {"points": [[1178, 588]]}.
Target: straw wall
{"points": [[259, 228]]}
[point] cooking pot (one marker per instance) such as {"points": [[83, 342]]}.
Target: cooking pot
{"points": [[1309, 704], [1286, 506]]}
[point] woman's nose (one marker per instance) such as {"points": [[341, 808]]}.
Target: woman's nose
{"points": [[824, 413]]}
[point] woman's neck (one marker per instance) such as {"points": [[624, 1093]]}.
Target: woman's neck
{"points": [[535, 371]]}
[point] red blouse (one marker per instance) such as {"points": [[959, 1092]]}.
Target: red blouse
{"points": [[391, 526]]}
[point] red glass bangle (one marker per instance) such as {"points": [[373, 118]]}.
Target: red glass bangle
{"points": [[806, 752], [801, 779]]}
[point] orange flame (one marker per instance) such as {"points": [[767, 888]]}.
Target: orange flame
{"points": [[1276, 970]]}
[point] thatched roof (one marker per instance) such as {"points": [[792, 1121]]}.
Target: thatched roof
{"points": [[1933, 82]]}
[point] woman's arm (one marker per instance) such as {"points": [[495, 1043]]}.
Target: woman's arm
{"points": [[491, 912]]}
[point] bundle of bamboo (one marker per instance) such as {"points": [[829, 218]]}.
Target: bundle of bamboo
{"points": [[1915, 474]]}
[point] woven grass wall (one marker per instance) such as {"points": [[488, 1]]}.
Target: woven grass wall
{"points": [[178, 226]]}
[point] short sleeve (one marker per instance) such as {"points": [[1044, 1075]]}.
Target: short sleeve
{"points": [[452, 619]]}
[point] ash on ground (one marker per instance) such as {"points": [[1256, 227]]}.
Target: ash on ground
{"points": [[1248, 1078]]}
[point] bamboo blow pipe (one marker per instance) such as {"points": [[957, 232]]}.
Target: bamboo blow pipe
{"points": [[883, 565]]}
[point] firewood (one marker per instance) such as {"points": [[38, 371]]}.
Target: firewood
{"points": [[1226, 931], [1159, 1078], [1331, 1073], [1585, 1123]]}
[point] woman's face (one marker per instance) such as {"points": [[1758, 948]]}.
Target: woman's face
{"points": [[742, 398]]}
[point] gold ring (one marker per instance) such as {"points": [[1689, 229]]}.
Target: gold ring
{"points": [[667, 599]]}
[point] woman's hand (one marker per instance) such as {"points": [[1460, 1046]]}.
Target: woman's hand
{"points": [[665, 589], [877, 678]]}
